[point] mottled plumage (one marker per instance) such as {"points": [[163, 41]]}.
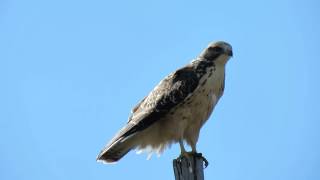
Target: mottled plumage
{"points": [[176, 109]]}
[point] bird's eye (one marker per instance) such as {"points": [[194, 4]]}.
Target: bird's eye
{"points": [[215, 49]]}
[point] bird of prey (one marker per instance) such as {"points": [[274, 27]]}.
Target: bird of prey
{"points": [[176, 109]]}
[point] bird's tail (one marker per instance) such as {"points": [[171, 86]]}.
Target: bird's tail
{"points": [[115, 150]]}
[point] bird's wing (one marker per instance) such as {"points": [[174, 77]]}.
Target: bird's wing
{"points": [[136, 108], [170, 92]]}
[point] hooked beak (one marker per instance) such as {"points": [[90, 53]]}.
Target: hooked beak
{"points": [[229, 53]]}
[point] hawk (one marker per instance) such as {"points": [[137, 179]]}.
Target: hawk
{"points": [[176, 109]]}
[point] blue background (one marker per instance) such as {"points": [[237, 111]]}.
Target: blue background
{"points": [[70, 72]]}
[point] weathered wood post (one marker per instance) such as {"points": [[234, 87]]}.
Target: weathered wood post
{"points": [[189, 168]]}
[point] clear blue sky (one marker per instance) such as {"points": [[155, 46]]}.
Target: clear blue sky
{"points": [[70, 71]]}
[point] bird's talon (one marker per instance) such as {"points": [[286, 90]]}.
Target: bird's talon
{"points": [[206, 162], [188, 155]]}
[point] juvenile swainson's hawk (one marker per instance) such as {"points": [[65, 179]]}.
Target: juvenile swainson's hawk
{"points": [[175, 110]]}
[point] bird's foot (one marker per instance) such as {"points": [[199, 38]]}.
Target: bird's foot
{"points": [[206, 162], [191, 154]]}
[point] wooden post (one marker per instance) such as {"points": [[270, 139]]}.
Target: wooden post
{"points": [[189, 168]]}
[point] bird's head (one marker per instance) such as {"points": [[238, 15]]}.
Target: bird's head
{"points": [[216, 50]]}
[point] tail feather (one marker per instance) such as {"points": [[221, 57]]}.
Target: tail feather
{"points": [[115, 150]]}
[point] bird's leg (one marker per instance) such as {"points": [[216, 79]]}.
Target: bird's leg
{"points": [[184, 153], [188, 155], [193, 149], [183, 150]]}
